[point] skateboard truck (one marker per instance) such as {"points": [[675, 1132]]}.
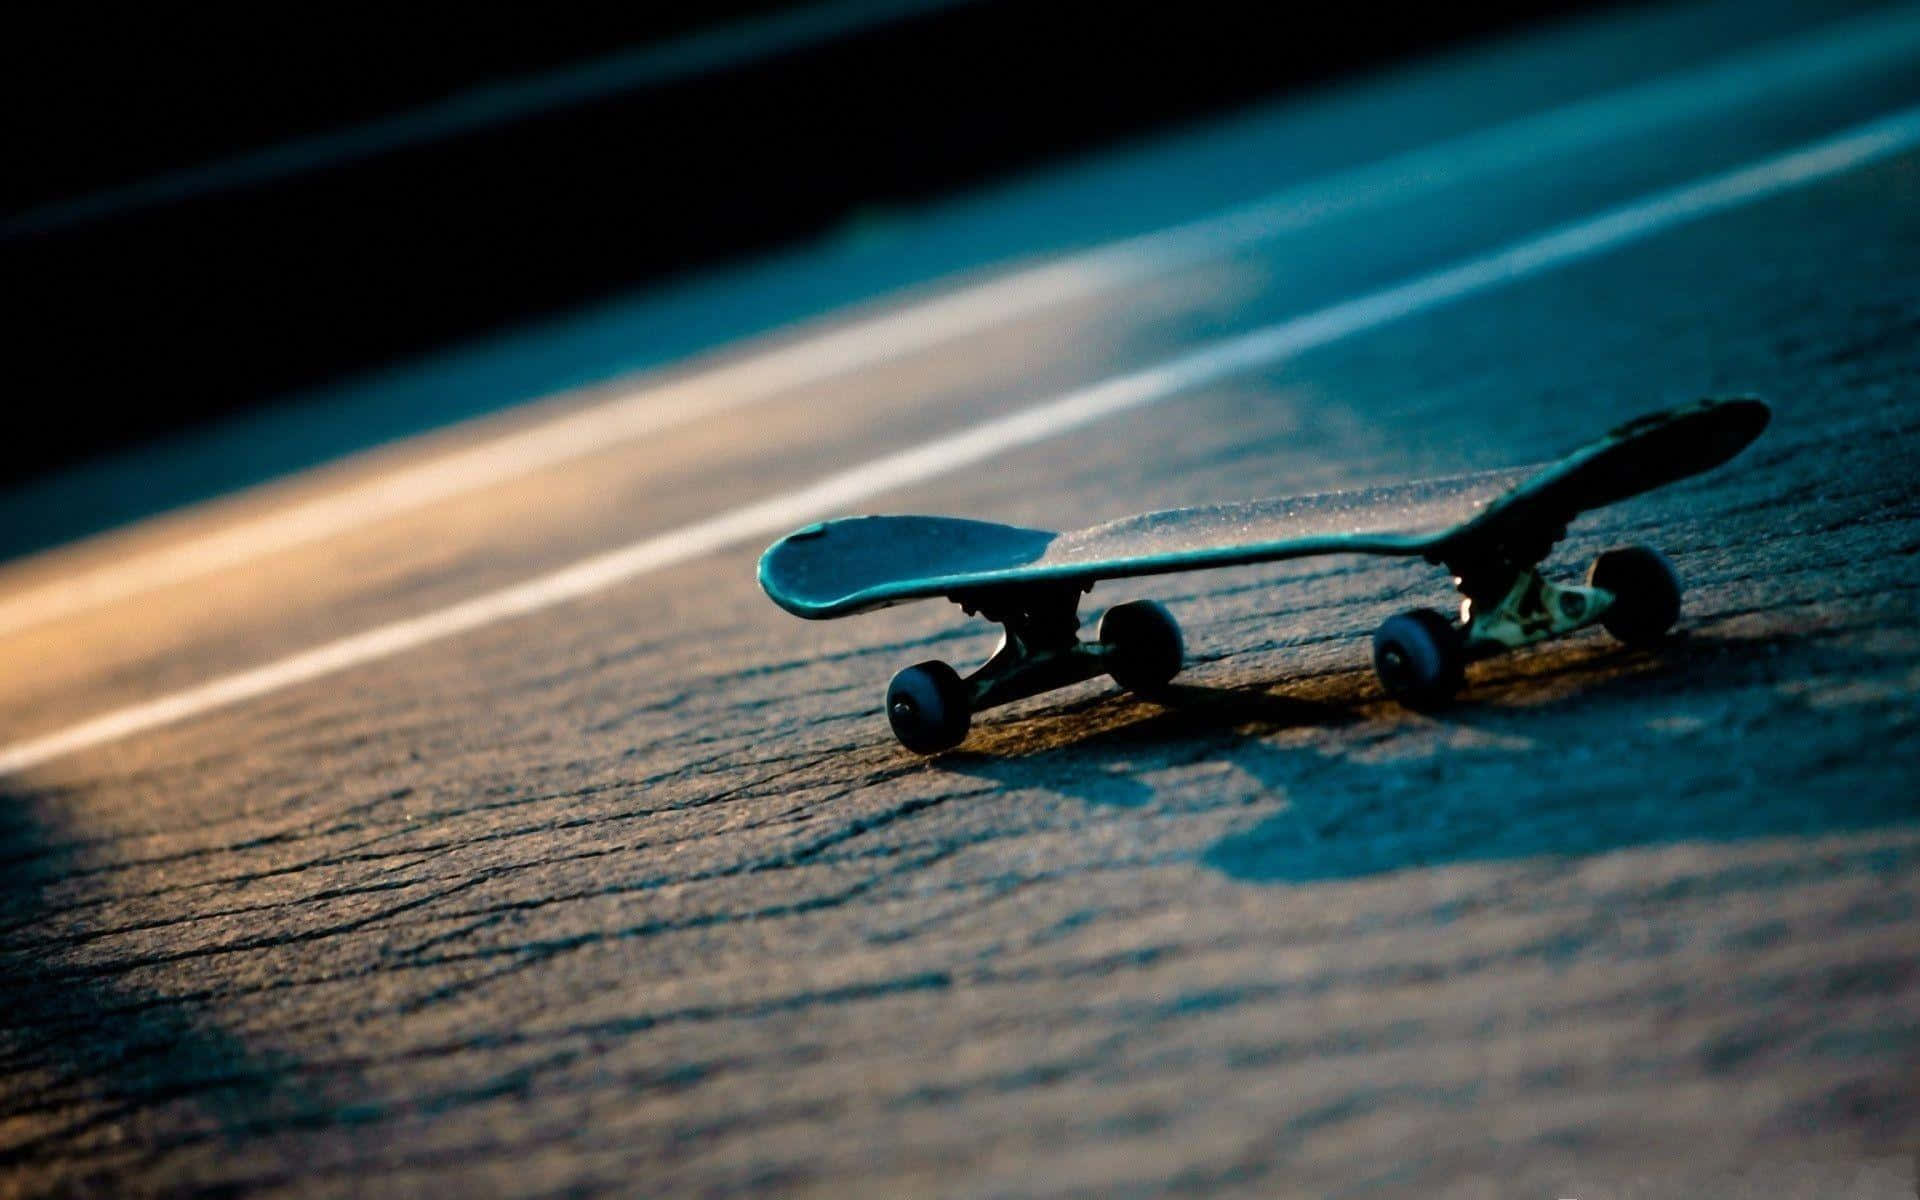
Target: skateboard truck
{"points": [[931, 707], [1534, 609], [1421, 656], [1040, 647], [1507, 602]]}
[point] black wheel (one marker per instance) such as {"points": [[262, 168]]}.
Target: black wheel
{"points": [[928, 709], [1144, 651], [1419, 658], [1646, 593]]}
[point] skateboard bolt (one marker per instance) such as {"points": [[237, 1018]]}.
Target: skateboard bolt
{"points": [[903, 708]]}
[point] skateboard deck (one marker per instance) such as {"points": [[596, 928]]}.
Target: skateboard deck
{"points": [[1488, 529]]}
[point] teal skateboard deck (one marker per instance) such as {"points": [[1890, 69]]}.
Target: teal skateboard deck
{"points": [[1489, 530]]}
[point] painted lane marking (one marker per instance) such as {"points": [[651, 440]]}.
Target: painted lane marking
{"points": [[838, 492], [1635, 111]]}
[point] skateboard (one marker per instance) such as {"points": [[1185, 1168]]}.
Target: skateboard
{"points": [[1491, 531]]}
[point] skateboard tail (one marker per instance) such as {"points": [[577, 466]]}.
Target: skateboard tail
{"points": [[1662, 448], [855, 563], [1644, 454]]}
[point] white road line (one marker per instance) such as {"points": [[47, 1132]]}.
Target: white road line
{"points": [[836, 493], [1834, 53]]}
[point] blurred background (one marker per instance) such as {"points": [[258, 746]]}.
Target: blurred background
{"points": [[223, 240]]}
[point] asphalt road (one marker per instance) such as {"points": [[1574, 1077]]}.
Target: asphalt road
{"points": [[629, 890]]}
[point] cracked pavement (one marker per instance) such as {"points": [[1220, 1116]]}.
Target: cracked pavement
{"points": [[637, 894]]}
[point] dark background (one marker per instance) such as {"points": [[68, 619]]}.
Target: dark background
{"points": [[140, 309]]}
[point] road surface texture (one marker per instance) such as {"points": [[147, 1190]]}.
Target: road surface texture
{"points": [[622, 886]]}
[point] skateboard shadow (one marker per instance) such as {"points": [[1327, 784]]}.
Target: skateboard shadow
{"points": [[1631, 749], [1583, 750], [1187, 722], [89, 1052]]}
